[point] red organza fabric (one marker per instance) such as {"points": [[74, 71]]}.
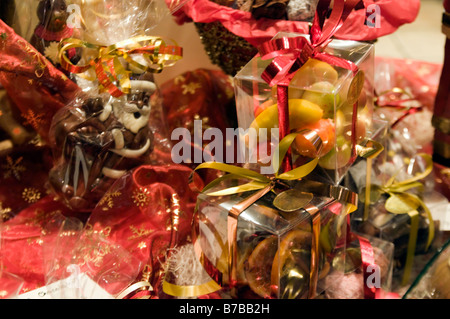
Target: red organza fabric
{"points": [[258, 31], [35, 85], [147, 212], [199, 95], [23, 173], [22, 236]]}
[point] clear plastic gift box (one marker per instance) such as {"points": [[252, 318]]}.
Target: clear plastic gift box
{"points": [[321, 98], [277, 254]]}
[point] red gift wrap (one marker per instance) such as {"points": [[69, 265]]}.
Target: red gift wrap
{"points": [[34, 84]]}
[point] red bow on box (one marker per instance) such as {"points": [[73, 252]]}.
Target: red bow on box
{"points": [[289, 54]]}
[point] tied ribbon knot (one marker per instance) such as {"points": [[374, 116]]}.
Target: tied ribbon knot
{"points": [[288, 54], [113, 77], [400, 201], [260, 185]]}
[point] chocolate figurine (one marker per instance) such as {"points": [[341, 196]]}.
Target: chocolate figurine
{"points": [[99, 142], [52, 28]]}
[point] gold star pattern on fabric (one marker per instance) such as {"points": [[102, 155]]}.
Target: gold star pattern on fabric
{"points": [[139, 232], [141, 197], [41, 216], [13, 167], [190, 88], [142, 245], [89, 230], [95, 254], [178, 79], [5, 212], [40, 63], [33, 119], [31, 195], [108, 200]]}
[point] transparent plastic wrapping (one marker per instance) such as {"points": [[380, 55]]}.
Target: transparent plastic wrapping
{"points": [[374, 218], [10, 284], [434, 280], [406, 92], [349, 282], [360, 174], [113, 126], [82, 264], [318, 95], [274, 248], [97, 142]]}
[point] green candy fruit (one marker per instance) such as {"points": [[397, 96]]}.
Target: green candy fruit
{"points": [[323, 94]]}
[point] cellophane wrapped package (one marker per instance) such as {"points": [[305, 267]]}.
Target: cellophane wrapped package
{"points": [[278, 247], [321, 97], [117, 121], [351, 282], [397, 207]]}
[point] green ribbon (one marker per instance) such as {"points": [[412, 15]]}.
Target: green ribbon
{"points": [[402, 202], [259, 181]]}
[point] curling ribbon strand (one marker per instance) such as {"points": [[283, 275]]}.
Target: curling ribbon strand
{"points": [[107, 65]]}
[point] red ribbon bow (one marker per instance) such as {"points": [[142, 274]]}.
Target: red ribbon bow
{"points": [[290, 53]]}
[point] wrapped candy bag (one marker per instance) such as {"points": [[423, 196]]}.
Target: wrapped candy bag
{"points": [[33, 84], [111, 127], [82, 264], [356, 280], [10, 284], [47, 246], [396, 210], [405, 94], [22, 238]]}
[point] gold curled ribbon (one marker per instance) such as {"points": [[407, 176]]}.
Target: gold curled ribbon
{"points": [[262, 185], [134, 288], [107, 64], [190, 291], [402, 202]]}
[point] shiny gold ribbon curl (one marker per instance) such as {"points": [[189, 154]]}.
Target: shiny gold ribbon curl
{"points": [[107, 64]]}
